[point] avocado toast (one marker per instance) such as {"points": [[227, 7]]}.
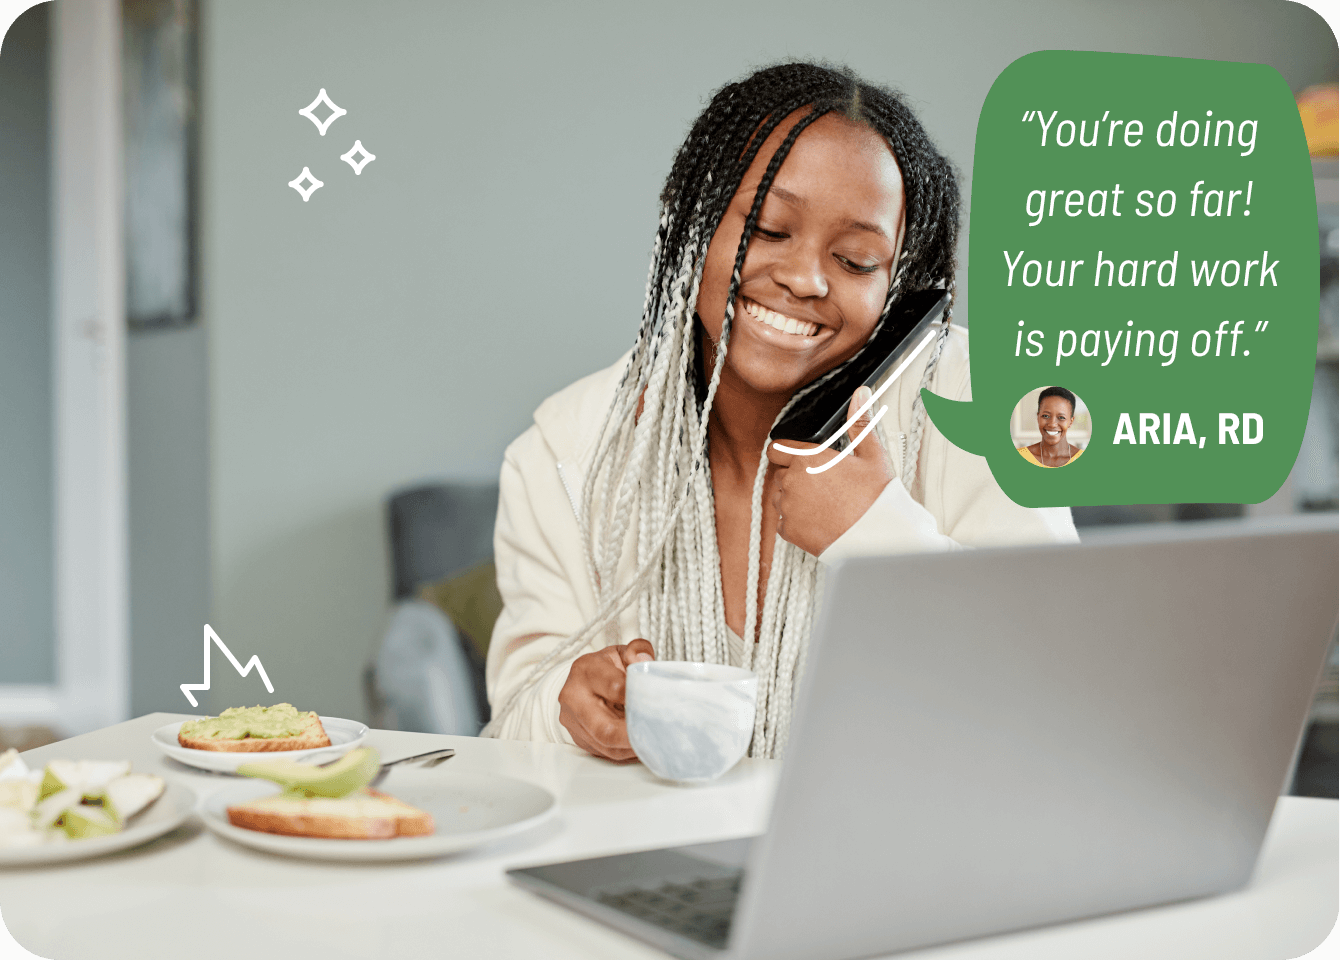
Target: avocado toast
{"points": [[255, 730], [331, 802]]}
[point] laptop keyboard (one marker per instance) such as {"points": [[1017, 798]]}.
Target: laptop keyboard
{"points": [[700, 909]]}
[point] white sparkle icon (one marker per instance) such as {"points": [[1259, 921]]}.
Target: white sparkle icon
{"points": [[336, 112], [315, 184], [359, 164]]}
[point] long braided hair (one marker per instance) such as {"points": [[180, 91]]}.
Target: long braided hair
{"points": [[650, 482]]}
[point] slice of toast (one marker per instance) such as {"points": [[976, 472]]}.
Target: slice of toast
{"points": [[313, 735], [364, 815]]}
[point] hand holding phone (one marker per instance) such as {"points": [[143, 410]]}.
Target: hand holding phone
{"points": [[818, 417], [815, 505]]}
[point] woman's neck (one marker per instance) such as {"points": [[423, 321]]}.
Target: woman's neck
{"points": [[738, 425], [1061, 450]]}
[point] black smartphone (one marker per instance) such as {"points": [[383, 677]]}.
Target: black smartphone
{"points": [[818, 416]]}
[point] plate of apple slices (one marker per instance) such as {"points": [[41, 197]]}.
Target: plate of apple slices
{"points": [[75, 809]]}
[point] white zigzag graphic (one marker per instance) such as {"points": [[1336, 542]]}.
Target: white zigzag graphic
{"points": [[255, 661]]}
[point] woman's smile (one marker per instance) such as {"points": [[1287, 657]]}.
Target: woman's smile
{"points": [[798, 329]]}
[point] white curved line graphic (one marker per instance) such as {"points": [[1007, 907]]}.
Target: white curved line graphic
{"points": [[859, 413], [255, 661], [859, 437]]}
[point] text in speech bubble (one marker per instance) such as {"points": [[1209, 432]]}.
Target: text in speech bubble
{"points": [[1143, 235]]}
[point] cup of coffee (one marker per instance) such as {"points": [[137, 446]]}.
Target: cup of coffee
{"points": [[689, 722]]}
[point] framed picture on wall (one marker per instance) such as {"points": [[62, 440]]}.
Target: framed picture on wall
{"points": [[160, 98]]}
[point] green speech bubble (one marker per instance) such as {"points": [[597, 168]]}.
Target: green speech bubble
{"points": [[1144, 233]]}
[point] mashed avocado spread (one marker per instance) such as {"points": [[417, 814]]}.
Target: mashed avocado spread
{"points": [[238, 723]]}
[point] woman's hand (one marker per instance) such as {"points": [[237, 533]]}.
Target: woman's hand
{"points": [[814, 509], [591, 702]]}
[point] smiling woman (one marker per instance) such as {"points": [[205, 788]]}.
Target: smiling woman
{"points": [[644, 514], [1058, 413]]}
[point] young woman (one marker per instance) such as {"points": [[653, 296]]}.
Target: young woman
{"points": [[1056, 414], [645, 514]]}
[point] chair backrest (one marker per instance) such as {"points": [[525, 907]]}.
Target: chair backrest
{"points": [[439, 529]]}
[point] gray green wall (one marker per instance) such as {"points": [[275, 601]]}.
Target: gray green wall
{"points": [[26, 575], [167, 433]]}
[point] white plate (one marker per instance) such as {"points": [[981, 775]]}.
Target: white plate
{"points": [[344, 736], [164, 814], [468, 809]]}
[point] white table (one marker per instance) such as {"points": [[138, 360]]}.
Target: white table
{"points": [[192, 894]]}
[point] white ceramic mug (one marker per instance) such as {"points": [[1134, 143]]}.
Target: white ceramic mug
{"points": [[689, 722]]}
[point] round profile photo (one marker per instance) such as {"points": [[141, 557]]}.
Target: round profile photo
{"points": [[1050, 427]]}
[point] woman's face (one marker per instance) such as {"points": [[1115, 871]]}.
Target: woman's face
{"points": [[1054, 419], [818, 267]]}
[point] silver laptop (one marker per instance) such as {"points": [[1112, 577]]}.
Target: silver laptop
{"points": [[997, 739]]}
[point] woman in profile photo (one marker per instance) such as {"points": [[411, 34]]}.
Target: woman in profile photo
{"points": [[645, 514], [1056, 414]]}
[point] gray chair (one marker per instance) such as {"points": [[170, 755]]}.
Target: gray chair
{"points": [[426, 677], [439, 529]]}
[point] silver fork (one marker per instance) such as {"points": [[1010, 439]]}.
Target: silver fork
{"points": [[430, 759]]}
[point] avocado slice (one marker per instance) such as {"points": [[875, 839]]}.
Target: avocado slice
{"points": [[351, 772]]}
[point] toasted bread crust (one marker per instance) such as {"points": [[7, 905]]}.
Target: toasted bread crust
{"points": [[297, 825], [396, 819], [313, 735]]}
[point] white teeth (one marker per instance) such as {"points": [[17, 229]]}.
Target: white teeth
{"points": [[780, 322]]}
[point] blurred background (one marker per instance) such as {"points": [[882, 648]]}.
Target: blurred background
{"points": [[212, 391]]}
